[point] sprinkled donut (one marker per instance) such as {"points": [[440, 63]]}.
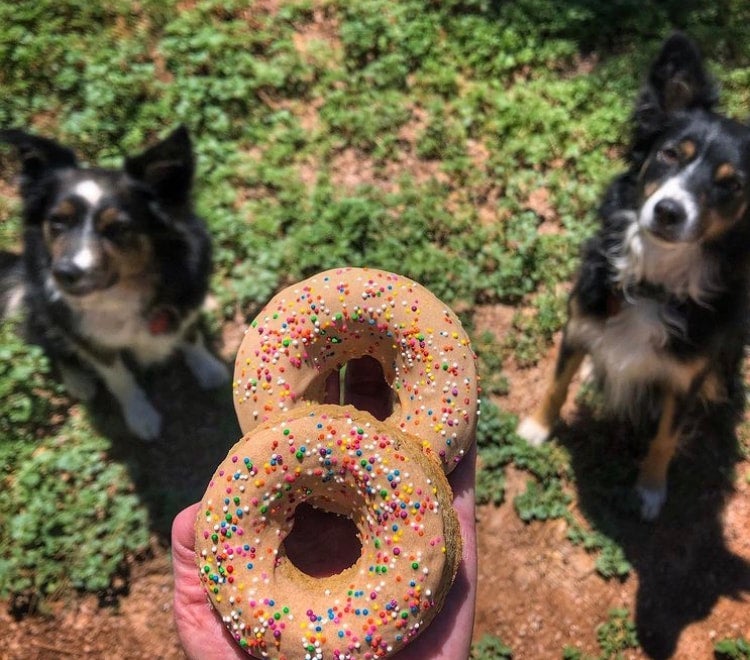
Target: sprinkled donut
{"points": [[342, 460], [311, 329]]}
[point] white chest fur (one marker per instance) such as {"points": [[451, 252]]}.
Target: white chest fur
{"points": [[116, 319], [629, 349]]}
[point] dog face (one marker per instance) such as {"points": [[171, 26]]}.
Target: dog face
{"points": [[693, 164], [695, 184], [98, 226], [92, 235]]}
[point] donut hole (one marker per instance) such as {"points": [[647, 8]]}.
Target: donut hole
{"points": [[322, 543], [361, 383]]}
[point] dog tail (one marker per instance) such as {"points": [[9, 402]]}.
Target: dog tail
{"points": [[12, 289]]}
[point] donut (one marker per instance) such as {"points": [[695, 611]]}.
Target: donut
{"points": [[312, 329], [344, 461]]}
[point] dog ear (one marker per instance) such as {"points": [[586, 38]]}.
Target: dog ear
{"points": [[38, 155], [678, 80], [166, 167]]}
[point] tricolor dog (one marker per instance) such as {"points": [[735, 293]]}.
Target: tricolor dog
{"points": [[661, 300], [114, 269]]}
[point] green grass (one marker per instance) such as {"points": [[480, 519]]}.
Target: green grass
{"points": [[732, 649], [68, 515], [415, 137], [615, 635]]}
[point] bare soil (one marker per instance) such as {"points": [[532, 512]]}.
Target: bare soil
{"points": [[537, 591]]}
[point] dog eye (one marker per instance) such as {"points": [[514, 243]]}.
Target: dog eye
{"points": [[730, 185], [59, 222], [668, 156], [117, 230]]}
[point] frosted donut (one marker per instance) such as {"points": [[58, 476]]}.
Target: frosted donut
{"points": [[313, 328], [342, 460]]}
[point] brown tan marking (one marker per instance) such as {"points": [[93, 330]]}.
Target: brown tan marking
{"points": [[554, 397], [108, 216], [65, 209], [650, 188], [687, 149], [133, 263], [725, 172], [717, 224], [653, 470]]}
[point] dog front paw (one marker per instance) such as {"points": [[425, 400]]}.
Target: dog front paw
{"points": [[142, 418], [533, 432], [652, 500]]}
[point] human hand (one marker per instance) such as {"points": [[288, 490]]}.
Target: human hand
{"points": [[448, 637]]}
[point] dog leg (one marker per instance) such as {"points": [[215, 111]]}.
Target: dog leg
{"points": [[78, 383], [140, 416], [652, 478], [206, 367], [536, 428]]}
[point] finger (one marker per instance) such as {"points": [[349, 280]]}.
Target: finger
{"points": [[200, 629], [449, 635]]}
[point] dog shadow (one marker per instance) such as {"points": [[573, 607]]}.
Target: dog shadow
{"points": [[681, 559], [198, 429]]}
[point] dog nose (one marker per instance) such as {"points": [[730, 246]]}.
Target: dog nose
{"points": [[67, 273], [669, 212]]}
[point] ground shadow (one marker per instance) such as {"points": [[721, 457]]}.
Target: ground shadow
{"points": [[199, 427], [681, 559]]}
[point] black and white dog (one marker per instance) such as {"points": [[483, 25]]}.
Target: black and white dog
{"points": [[114, 269], [661, 300]]}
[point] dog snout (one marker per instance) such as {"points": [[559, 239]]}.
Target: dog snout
{"points": [[78, 277], [68, 274], [669, 213]]}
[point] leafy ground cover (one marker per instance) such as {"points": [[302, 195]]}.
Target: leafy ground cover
{"points": [[462, 143]]}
